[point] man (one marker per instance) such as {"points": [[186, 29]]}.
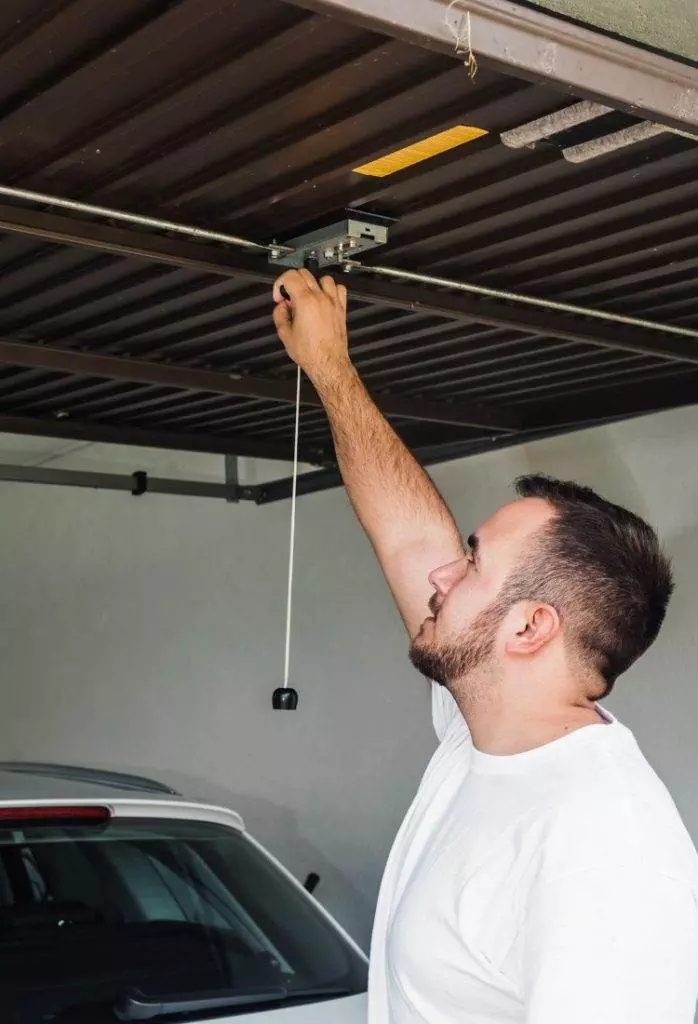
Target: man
{"points": [[542, 874]]}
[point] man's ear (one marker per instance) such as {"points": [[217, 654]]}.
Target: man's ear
{"points": [[533, 625]]}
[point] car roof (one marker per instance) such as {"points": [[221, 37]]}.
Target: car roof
{"points": [[39, 780]]}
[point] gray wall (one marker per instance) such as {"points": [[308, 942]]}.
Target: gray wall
{"points": [[148, 633], [670, 25]]}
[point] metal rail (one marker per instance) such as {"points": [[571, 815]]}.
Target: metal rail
{"points": [[194, 231], [140, 220], [526, 300], [138, 483]]}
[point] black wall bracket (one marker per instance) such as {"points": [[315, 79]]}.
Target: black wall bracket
{"points": [[140, 482]]}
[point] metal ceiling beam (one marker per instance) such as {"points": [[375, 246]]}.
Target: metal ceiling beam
{"points": [[431, 455], [497, 313], [546, 419], [141, 371], [103, 433], [619, 402], [212, 259], [537, 46], [104, 237], [307, 483]]}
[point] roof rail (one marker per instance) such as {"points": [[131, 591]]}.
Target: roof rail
{"points": [[75, 773]]}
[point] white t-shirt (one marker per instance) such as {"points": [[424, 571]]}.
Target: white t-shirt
{"points": [[556, 886]]}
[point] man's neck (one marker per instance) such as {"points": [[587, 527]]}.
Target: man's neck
{"points": [[509, 726]]}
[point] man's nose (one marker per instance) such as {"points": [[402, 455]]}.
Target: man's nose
{"points": [[446, 576]]}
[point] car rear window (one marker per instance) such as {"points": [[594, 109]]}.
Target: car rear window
{"points": [[166, 909]]}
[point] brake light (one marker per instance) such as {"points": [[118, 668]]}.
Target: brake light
{"points": [[63, 815]]}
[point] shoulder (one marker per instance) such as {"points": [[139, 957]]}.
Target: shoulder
{"points": [[615, 812]]}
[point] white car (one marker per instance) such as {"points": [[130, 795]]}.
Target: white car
{"points": [[122, 901]]}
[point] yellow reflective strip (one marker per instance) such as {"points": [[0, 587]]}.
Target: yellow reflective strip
{"points": [[422, 150]]}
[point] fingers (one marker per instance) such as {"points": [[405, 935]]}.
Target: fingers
{"points": [[282, 317], [329, 286], [335, 291], [310, 280], [296, 283], [285, 281]]}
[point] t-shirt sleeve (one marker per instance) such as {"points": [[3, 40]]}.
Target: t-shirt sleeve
{"points": [[611, 947], [443, 709]]}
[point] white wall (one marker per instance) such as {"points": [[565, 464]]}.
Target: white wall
{"points": [[148, 633]]}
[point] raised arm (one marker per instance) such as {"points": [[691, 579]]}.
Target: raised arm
{"points": [[407, 521]]}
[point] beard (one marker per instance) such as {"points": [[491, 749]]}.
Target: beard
{"points": [[447, 662]]}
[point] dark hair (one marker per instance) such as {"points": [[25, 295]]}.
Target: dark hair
{"points": [[602, 568]]}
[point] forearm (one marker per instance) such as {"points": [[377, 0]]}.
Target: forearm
{"points": [[394, 498], [396, 502]]}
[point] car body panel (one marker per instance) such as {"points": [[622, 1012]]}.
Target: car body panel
{"points": [[352, 1010], [31, 790]]}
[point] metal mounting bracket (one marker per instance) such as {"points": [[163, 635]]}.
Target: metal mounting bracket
{"points": [[232, 478], [329, 246]]}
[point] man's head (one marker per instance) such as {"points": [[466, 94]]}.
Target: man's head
{"points": [[560, 568]]}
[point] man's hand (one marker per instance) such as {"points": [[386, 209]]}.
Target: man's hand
{"points": [[312, 323]]}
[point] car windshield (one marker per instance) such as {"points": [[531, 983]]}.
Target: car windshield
{"points": [[98, 918]]}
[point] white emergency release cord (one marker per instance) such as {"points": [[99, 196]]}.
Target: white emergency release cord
{"points": [[292, 545]]}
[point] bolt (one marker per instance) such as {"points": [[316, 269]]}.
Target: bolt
{"points": [[274, 254], [328, 254]]}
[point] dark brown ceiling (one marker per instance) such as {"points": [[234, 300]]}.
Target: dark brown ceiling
{"points": [[249, 118]]}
